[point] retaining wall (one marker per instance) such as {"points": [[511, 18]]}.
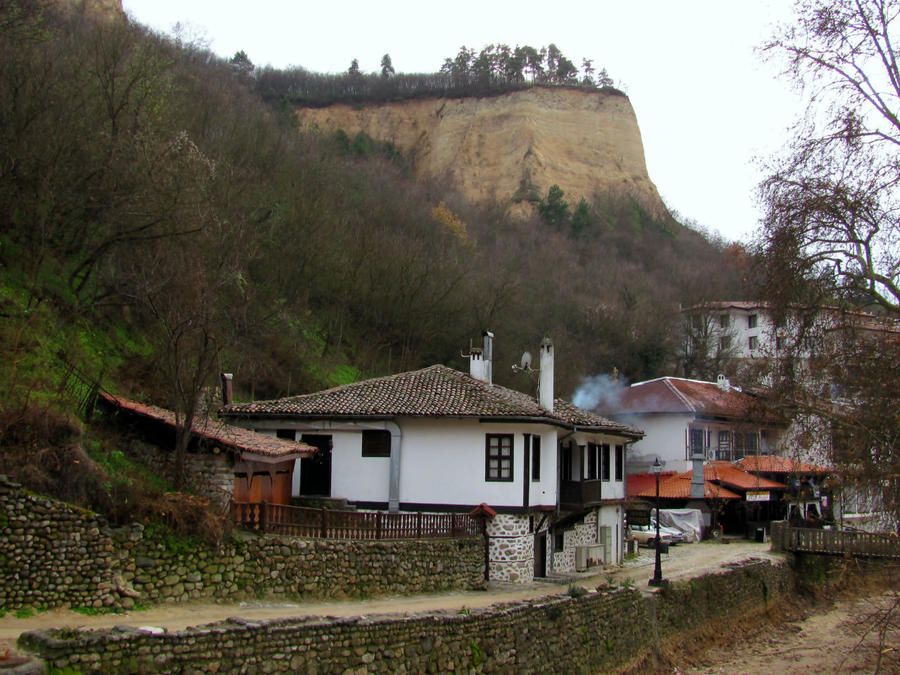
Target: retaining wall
{"points": [[603, 631], [53, 554]]}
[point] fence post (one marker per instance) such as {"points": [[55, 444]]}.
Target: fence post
{"points": [[419, 525], [324, 528], [452, 524], [262, 516], [378, 524]]}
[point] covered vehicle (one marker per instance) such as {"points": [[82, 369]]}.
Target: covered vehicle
{"points": [[688, 521], [646, 534]]}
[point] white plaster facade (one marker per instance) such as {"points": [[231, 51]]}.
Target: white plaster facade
{"points": [[457, 441]]}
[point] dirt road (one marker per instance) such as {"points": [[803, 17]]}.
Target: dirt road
{"points": [[684, 560], [844, 639]]}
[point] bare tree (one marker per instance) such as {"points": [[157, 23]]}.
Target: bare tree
{"points": [[833, 201], [832, 238]]}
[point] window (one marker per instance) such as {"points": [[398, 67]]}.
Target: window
{"points": [[723, 321], [289, 434], [558, 541], [698, 441], [724, 343], [604, 457], [620, 462], [535, 458], [376, 443], [745, 444], [566, 462], [591, 461], [498, 459], [754, 342], [724, 449], [752, 321]]}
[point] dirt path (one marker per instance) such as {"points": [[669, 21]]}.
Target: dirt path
{"points": [[843, 639], [684, 560]]}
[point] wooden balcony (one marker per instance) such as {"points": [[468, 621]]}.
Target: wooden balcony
{"points": [[575, 495]]}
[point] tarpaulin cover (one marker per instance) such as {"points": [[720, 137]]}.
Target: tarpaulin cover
{"points": [[686, 520]]}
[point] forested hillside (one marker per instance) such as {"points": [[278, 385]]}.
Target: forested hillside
{"points": [[162, 222]]}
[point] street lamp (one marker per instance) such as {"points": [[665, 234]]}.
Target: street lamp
{"points": [[657, 579]]}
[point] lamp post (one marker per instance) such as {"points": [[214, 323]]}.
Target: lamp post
{"points": [[657, 579]]}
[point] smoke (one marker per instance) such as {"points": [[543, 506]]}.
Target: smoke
{"points": [[599, 393]]}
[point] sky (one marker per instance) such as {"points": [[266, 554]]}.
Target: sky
{"points": [[709, 108]]}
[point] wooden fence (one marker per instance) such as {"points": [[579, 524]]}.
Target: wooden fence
{"points": [[834, 542], [330, 524]]}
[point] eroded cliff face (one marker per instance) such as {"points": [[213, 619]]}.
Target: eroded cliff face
{"points": [[504, 147]]}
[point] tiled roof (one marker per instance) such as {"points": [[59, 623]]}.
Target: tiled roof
{"points": [[677, 395], [775, 464], [716, 476], [736, 477], [728, 304], [227, 435], [638, 482], [436, 391], [679, 487]]}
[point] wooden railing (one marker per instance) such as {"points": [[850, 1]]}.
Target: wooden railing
{"points": [[299, 521], [834, 542], [578, 494]]}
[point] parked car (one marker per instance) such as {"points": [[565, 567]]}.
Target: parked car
{"points": [[646, 534]]}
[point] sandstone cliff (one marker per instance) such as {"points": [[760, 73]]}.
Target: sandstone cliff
{"points": [[501, 147]]}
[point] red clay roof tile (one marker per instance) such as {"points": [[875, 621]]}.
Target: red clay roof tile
{"points": [[227, 435]]}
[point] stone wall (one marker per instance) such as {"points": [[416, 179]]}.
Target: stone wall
{"points": [[604, 631], [52, 555], [511, 548], [207, 473], [580, 534], [295, 568]]}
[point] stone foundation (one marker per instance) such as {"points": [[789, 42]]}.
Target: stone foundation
{"points": [[511, 548]]}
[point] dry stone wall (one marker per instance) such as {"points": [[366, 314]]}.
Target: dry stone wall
{"points": [[604, 631], [52, 555]]}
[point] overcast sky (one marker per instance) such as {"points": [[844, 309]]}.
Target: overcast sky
{"points": [[706, 103]]}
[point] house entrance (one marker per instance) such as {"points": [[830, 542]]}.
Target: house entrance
{"points": [[315, 471], [540, 555]]}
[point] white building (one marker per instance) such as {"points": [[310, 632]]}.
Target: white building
{"points": [[438, 440], [682, 418]]}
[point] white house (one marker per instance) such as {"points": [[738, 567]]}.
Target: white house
{"points": [[682, 418], [440, 440]]}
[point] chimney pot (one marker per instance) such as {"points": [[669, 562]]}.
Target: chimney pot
{"points": [[545, 382]]}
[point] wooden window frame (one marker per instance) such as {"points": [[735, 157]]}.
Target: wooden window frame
{"points": [[499, 456], [604, 462], [620, 463], [535, 458]]}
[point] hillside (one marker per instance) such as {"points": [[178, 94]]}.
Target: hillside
{"points": [[161, 221], [512, 146]]}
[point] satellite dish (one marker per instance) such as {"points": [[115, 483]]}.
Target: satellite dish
{"points": [[526, 361]]}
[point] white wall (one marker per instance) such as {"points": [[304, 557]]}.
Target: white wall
{"points": [[664, 438], [442, 462]]}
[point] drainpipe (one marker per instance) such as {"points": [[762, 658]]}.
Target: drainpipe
{"points": [[394, 481]]}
